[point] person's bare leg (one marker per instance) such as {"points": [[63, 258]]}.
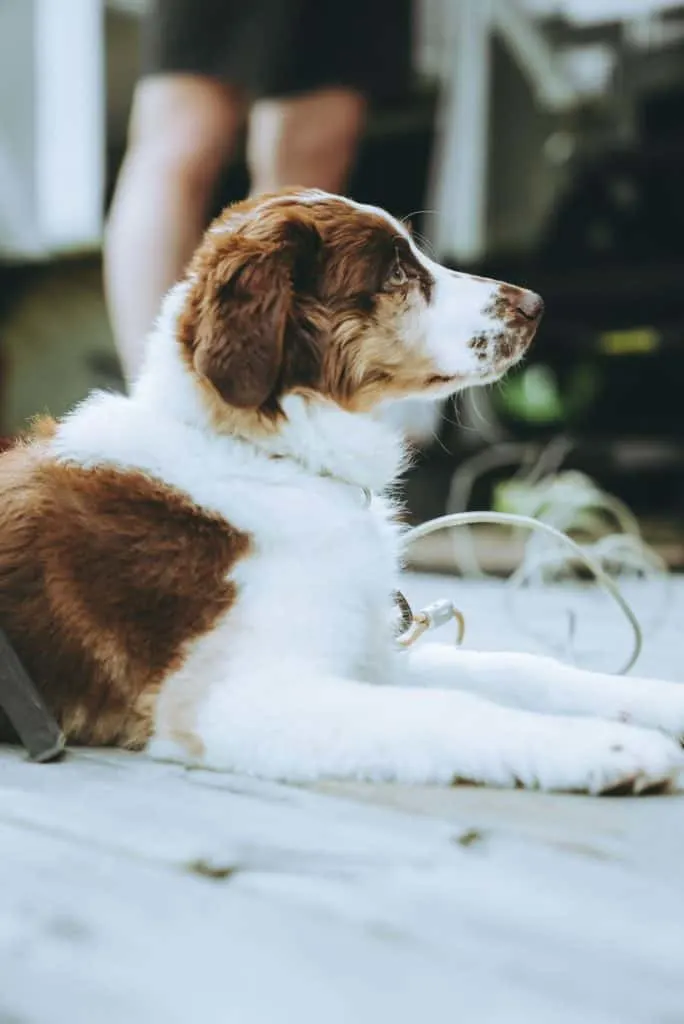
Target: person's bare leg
{"points": [[308, 140], [182, 131]]}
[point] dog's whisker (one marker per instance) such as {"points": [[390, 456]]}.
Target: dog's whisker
{"points": [[416, 213]]}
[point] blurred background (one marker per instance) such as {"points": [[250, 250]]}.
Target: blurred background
{"points": [[541, 141]]}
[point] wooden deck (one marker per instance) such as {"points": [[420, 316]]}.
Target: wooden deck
{"points": [[143, 893]]}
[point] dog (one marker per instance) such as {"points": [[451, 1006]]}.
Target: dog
{"points": [[205, 567]]}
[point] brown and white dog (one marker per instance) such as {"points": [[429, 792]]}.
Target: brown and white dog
{"points": [[197, 567]]}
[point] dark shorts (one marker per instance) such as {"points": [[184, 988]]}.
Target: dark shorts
{"points": [[273, 48]]}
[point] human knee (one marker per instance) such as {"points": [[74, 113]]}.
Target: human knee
{"points": [[304, 131], [183, 130]]}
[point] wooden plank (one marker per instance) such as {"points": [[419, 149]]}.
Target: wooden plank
{"points": [[141, 892]]}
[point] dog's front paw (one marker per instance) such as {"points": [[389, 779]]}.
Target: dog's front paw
{"points": [[589, 756], [654, 705]]}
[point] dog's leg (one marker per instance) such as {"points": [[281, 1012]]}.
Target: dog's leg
{"points": [[304, 727], [545, 685]]}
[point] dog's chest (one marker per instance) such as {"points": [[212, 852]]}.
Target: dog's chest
{"points": [[321, 585]]}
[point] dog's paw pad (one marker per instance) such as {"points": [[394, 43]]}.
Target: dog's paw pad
{"points": [[639, 785]]}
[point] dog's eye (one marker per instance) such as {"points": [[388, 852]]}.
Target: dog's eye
{"points": [[397, 276]]}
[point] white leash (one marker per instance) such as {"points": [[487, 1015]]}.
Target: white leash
{"points": [[443, 611]]}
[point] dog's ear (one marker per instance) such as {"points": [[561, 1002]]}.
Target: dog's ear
{"points": [[246, 313]]}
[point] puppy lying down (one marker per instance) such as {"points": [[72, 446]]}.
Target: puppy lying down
{"points": [[206, 568]]}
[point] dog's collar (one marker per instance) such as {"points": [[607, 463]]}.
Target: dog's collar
{"points": [[365, 493]]}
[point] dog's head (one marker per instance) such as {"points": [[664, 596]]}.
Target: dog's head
{"points": [[314, 294]]}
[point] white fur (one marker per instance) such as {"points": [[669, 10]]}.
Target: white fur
{"points": [[458, 312], [301, 680], [461, 308]]}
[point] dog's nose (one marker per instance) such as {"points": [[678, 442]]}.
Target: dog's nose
{"points": [[530, 305]]}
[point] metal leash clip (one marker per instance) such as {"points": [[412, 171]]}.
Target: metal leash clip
{"points": [[437, 614]]}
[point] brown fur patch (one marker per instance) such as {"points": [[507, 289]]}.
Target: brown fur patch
{"points": [[288, 296], [43, 428], [105, 578], [362, 368]]}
